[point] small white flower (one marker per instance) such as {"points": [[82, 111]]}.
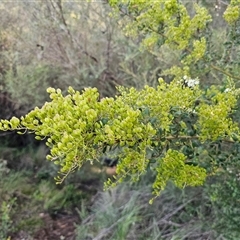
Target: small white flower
{"points": [[227, 90], [191, 82]]}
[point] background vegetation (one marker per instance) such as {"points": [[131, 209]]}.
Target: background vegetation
{"points": [[59, 44]]}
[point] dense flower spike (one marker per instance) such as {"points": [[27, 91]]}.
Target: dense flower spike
{"points": [[143, 125], [168, 129]]}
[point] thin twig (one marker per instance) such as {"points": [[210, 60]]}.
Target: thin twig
{"points": [[106, 231], [169, 215]]}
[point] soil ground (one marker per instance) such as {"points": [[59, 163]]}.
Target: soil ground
{"points": [[61, 227]]}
